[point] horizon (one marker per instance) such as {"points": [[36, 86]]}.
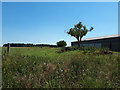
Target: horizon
{"points": [[46, 22], [107, 36]]}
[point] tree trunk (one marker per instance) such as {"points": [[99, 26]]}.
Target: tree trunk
{"points": [[80, 40], [78, 43]]}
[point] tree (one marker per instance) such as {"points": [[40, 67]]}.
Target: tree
{"points": [[61, 43], [79, 31]]}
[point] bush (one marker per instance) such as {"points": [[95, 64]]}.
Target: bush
{"points": [[87, 50], [61, 43], [68, 49], [105, 51]]}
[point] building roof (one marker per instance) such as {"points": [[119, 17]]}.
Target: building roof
{"points": [[101, 37]]}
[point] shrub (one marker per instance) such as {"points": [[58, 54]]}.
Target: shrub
{"points": [[61, 43], [68, 49], [105, 51]]}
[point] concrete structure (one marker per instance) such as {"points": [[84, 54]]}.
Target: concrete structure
{"points": [[112, 42]]}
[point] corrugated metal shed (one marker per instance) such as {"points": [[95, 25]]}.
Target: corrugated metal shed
{"points": [[111, 41], [101, 37]]}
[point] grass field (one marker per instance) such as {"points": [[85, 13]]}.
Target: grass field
{"points": [[34, 67]]}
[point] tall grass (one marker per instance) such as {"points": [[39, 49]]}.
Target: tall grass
{"points": [[45, 68]]}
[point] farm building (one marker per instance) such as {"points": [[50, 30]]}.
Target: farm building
{"points": [[112, 42]]}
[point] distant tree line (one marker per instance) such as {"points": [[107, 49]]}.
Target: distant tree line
{"points": [[28, 45]]}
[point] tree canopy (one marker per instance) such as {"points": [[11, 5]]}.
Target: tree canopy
{"points": [[79, 31]]}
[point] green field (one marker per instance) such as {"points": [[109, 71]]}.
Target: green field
{"points": [[35, 67]]}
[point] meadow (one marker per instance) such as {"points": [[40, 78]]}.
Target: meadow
{"points": [[36, 67]]}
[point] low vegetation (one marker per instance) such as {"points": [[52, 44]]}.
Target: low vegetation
{"points": [[70, 67]]}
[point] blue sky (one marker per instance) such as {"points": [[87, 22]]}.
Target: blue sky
{"points": [[46, 23]]}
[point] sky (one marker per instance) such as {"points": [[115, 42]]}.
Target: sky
{"points": [[48, 22]]}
